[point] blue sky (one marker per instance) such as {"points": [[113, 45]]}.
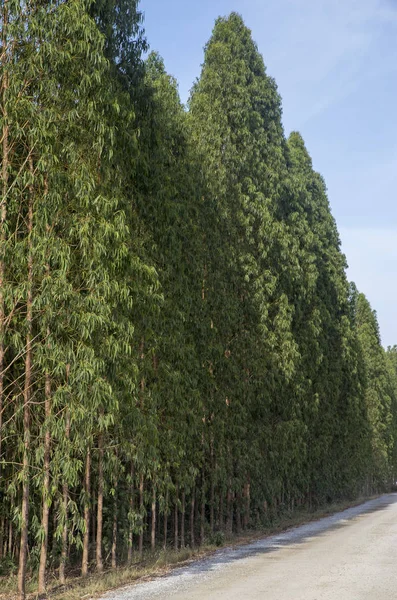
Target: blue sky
{"points": [[335, 63]]}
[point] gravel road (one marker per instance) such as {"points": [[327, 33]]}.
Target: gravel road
{"points": [[350, 555]]}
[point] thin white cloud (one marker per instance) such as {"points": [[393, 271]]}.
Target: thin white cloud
{"points": [[320, 49]]}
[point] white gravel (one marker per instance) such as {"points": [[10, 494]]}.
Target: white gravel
{"points": [[327, 559]]}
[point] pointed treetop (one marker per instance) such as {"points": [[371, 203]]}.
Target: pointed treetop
{"points": [[299, 154], [155, 63], [231, 32]]}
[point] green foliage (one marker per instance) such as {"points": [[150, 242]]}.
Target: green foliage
{"points": [[195, 341]]}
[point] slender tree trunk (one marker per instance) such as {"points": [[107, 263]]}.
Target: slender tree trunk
{"points": [[158, 523], [202, 515], [10, 536], [229, 510], [51, 538], [247, 507], [114, 532], [153, 532], [87, 511], [15, 548], [93, 518], [212, 507], [2, 526], [99, 561], [132, 507], [221, 517], [176, 527], [192, 510], [46, 500], [64, 551], [4, 538], [183, 508], [196, 509], [5, 547], [3, 206], [165, 519], [142, 402], [141, 510], [26, 400], [238, 513], [212, 487], [65, 498], [46, 487]]}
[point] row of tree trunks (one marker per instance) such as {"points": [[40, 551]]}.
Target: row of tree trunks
{"points": [[9, 544], [179, 509], [179, 515]]}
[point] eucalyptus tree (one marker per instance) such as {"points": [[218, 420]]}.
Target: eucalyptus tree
{"points": [[379, 396], [177, 335], [120, 22], [331, 379], [391, 359], [167, 202], [235, 115], [68, 254]]}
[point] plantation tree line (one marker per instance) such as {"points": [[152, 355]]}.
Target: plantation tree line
{"points": [[181, 354]]}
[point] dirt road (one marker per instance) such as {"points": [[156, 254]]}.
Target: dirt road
{"points": [[349, 556]]}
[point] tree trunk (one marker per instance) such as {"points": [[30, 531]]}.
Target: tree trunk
{"points": [[141, 509], [165, 519], [229, 510], [142, 402], [26, 400], [3, 207], [114, 533], [202, 515], [158, 523], [212, 507], [183, 520], [46, 487], [132, 507], [65, 497], [153, 532], [247, 507], [220, 516], [10, 536], [212, 486], [99, 561], [2, 526], [192, 508], [238, 513], [176, 527], [93, 518], [86, 539]]}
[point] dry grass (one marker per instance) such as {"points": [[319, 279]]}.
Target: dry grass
{"points": [[160, 563]]}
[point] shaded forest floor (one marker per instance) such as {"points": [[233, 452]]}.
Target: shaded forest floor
{"points": [[161, 562]]}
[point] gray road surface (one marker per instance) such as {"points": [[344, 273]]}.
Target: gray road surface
{"points": [[351, 555]]}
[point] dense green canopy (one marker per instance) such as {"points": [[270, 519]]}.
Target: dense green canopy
{"points": [[181, 354]]}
